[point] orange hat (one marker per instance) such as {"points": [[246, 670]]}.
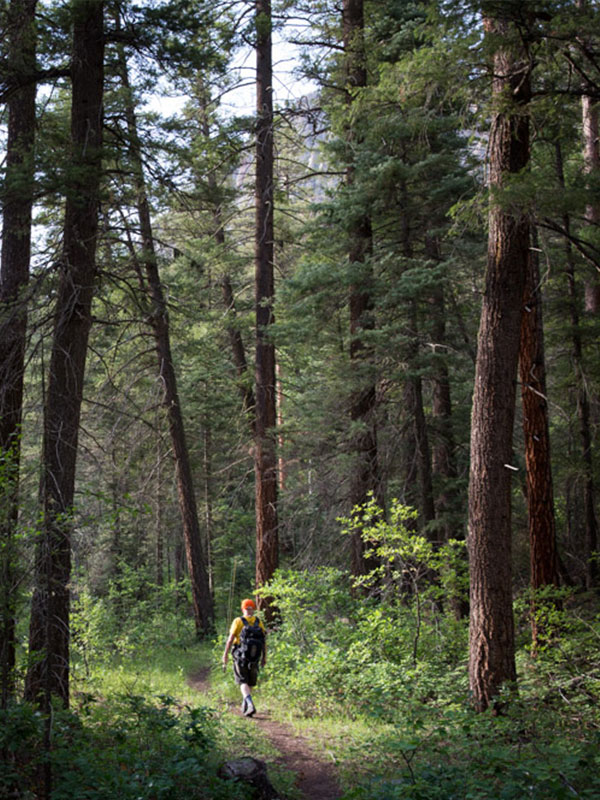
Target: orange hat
{"points": [[248, 604]]}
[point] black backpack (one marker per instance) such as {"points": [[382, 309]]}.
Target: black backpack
{"points": [[252, 641]]}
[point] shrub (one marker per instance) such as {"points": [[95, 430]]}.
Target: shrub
{"points": [[126, 746], [331, 648]]}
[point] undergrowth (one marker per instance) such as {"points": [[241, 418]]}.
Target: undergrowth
{"points": [[404, 727], [377, 683], [135, 729]]}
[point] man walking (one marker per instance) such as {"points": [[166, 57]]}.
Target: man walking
{"points": [[247, 637]]}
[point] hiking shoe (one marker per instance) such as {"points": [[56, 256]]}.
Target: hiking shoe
{"points": [[244, 704], [249, 710]]}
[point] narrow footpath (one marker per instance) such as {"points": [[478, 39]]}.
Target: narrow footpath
{"points": [[315, 778]]}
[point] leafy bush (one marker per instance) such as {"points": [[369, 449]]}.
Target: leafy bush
{"points": [[135, 615], [125, 747], [21, 732], [376, 642], [493, 768], [388, 661], [357, 652]]}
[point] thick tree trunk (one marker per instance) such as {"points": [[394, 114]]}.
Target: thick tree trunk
{"points": [[536, 434], [17, 202], [365, 477], [159, 321], [582, 400], [491, 655], [265, 456], [49, 630], [591, 160], [591, 163]]}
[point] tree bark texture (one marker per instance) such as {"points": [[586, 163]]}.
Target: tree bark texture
{"points": [[536, 435], [591, 165], [265, 455], [443, 461], [491, 654], [581, 397], [365, 477], [591, 160], [17, 202], [159, 322], [49, 630]]}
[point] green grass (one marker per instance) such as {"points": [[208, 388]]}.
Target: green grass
{"points": [[164, 673], [394, 729]]}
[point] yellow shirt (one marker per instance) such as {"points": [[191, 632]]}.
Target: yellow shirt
{"points": [[237, 625]]}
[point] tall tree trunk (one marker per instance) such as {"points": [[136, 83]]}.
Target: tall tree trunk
{"points": [[442, 451], [591, 164], [281, 465], [159, 321], [415, 410], [158, 513], [582, 400], [49, 629], [365, 477], [443, 463], [591, 160], [421, 472], [265, 457], [492, 649], [208, 507], [17, 202], [443, 460], [536, 433]]}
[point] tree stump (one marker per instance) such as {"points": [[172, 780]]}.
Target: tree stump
{"points": [[253, 772]]}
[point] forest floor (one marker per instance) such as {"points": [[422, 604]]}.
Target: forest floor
{"points": [[316, 779]]}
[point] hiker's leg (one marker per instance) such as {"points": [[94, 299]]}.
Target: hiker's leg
{"points": [[245, 690]]}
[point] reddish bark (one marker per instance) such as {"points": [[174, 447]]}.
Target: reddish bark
{"points": [[591, 165], [536, 434], [265, 457], [492, 648], [581, 396]]}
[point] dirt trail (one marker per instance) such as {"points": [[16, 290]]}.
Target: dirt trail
{"points": [[316, 779]]}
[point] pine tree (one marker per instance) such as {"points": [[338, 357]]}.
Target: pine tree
{"points": [[159, 321], [48, 673], [17, 204], [265, 459], [492, 646]]}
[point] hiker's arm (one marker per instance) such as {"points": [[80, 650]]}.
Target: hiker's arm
{"points": [[228, 644]]}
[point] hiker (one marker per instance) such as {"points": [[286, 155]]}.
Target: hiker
{"points": [[247, 635]]}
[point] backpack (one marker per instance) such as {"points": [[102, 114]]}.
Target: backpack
{"points": [[252, 640]]}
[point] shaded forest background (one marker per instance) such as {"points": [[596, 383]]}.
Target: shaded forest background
{"points": [[312, 351]]}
